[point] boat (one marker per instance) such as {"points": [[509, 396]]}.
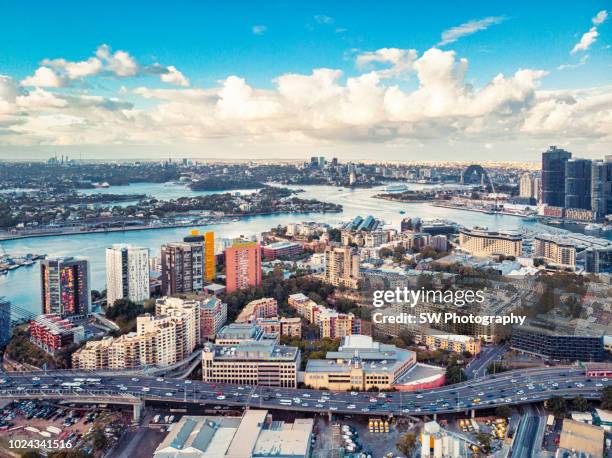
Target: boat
{"points": [[402, 212]]}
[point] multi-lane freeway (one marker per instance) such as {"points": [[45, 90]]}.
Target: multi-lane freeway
{"points": [[509, 388]]}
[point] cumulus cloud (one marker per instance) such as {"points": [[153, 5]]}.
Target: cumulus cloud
{"points": [[587, 39], [44, 77], [259, 29], [600, 17], [468, 28], [401, 61], [324, 105], [120, 62], [583, 60], [173, 76]]}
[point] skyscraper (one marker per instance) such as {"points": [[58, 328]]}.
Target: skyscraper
{"points": [[601, 187], [242, 265], [342, 267], [527, 186], [578, 184], [127, 273], [65, 286], [5, 320], [187, 265], [553, 176]]}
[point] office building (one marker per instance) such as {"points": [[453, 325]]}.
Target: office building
{"points": [[598, 260], [359, 364], [555, 250], [266, 307], [188, 265], [341, 267], [127, 273], [282, 326], [254, 435], [52, 332], [553, 176], [238, 333], [601, 187], [213, 315], [65, 286], [161, 340], [242, 265], [282, 250], [556, 343], [5, 320], [251, 363], [578, 184], [480, 242]]}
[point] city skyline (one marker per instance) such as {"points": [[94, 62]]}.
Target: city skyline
{"points": [[467, 83]]}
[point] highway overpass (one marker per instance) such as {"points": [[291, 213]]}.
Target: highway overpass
{"points": [[508, 388]]}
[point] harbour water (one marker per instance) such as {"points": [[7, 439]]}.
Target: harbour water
{"points": [[22, 286]]}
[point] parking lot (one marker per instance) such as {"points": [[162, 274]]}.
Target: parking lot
{"points": [[66, 426]]}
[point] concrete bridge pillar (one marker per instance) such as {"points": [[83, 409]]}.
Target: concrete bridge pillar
{"points": [[473, 413], [435, 417], [137, 411]]}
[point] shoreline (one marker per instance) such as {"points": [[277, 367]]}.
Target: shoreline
{"points": [[478, 210], [60, 232]]}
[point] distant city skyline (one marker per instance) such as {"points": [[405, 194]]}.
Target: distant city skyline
{"points": [[440, 82]]}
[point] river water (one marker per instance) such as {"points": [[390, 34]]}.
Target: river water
{"points": [[22, 286]]}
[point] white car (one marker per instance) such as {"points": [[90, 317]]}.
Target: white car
{"points": [[220, 397], [350, 406], [168, 394], [353, 393], [333, 408], [255, 395], [146, 389]]}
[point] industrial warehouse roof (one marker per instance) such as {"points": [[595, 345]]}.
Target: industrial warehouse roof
{"points": [[252, 435]]}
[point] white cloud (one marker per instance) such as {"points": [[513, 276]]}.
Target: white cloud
{"points": [[120, 63], [587, 39], [600, 17], [173, 76], [322, 106], [323, 19], [44, 77], [259, 29], [583, 60], [76, 70], [468, 28], [401, 60]]}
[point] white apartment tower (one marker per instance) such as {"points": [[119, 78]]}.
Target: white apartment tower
{"points": [[127, 273]]}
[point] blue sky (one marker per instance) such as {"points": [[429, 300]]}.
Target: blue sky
{"points": [[209, 41]]}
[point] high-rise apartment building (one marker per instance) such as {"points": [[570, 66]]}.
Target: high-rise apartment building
{"points": [[342, 267], [127, 273], [213, 315], [480, 242], [65, 286], [242, 265], [578, 183], [553, 176], [266, 307], [161, 340], [601, 187], [529, 186], [555, 250], [187, 265]]}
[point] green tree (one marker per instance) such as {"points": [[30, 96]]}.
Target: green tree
{"points": [[557, 406], [407, 444], [606, 399], [580, 404], [503, 411]]}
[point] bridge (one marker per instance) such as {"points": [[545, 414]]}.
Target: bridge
{"points": [[509, 388], [475, 170]]}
